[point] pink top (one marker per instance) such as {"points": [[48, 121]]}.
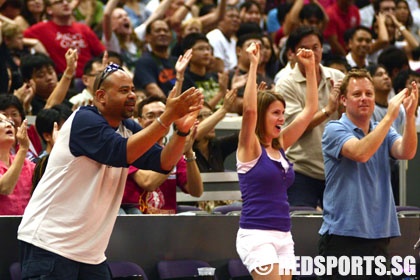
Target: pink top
{"points": [[15, 203]]}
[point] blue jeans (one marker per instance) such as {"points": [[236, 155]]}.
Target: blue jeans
{"points": [[38, 263], [306, 191]]}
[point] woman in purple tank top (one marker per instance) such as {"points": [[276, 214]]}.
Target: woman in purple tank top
{"points": [[264, 241]]}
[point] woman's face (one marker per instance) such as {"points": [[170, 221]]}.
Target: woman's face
{"points": [[266, 50], [251, 15], [13, 114], [274, 119], [402, 12], [7, 130], [35, 6]]}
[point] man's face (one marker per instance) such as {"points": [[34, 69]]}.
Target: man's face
{"points": [[243, 58], [117, 97], [201, 54], [381, 80], [160, 34], [387, 7], [359, 99], [360, 43], [45, 81], [150, 112], [311, 42], [231, 21], [59, 8]]}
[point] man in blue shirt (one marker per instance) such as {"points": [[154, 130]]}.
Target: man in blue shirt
{"points": [[359, 209]]}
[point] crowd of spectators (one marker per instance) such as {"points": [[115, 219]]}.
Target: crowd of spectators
{"points": [[52, 50]]}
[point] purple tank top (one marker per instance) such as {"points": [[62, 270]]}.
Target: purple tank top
{"points": [[264, 195]]}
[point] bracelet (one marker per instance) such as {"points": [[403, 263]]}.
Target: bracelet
{"points": [[190, 159], [161, 123], [183, 134], [67, 76], [187, 7], [325, 112], [402, 28]]}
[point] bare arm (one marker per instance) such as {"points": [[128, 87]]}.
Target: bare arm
{"points": [[406, 147], [60, 91], [383, 38], [106, 22], [211, 19], [361, 150], [292, 18], [194, 185], [296, 128], [248, 146], [10, 178], [210, 123], [149, 180]]}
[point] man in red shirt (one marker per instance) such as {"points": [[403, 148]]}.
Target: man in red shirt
{"points": [[343, 15], [61, 32]]}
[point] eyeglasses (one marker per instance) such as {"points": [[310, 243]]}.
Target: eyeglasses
{"points": [[111, 68], [151, 116], [7, 122]]}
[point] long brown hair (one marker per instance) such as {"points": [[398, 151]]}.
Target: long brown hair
{"points": [[264, 100]]}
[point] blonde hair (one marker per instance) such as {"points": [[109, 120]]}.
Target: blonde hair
{"points": [[189, 22], [10, 30]]}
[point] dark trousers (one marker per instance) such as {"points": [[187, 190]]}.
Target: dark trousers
{"points": [[38, 263], [306, 191], [337, 246]]}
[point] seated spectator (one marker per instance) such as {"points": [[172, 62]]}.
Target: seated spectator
{"points": [[39, 70], [250, 11], [197, 75], [119, 36], [16, 171], [152, 192], [382, 86], [46, 119], [192, 25], [92, 68], [12, 108], [342, 15], [61, 32], [154, 71], [17, 47], [270, 64], [186, 175], [33, 11], [359, 45], [48, 122], [238, 76], [337, 62], [212, 150], [222, 38]]}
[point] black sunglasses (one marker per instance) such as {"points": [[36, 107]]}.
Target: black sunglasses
{"points": [[111, 68]]}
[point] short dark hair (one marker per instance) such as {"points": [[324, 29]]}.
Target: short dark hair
{"points": [[349, 34], [149, 26], [33, 62], [148, 100], [89, 65], [301, 32], [248, 4], [10, 100], [191, 39], [243, 38], [393, 58], [46, 118], [311, 10], [247, 28]]}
